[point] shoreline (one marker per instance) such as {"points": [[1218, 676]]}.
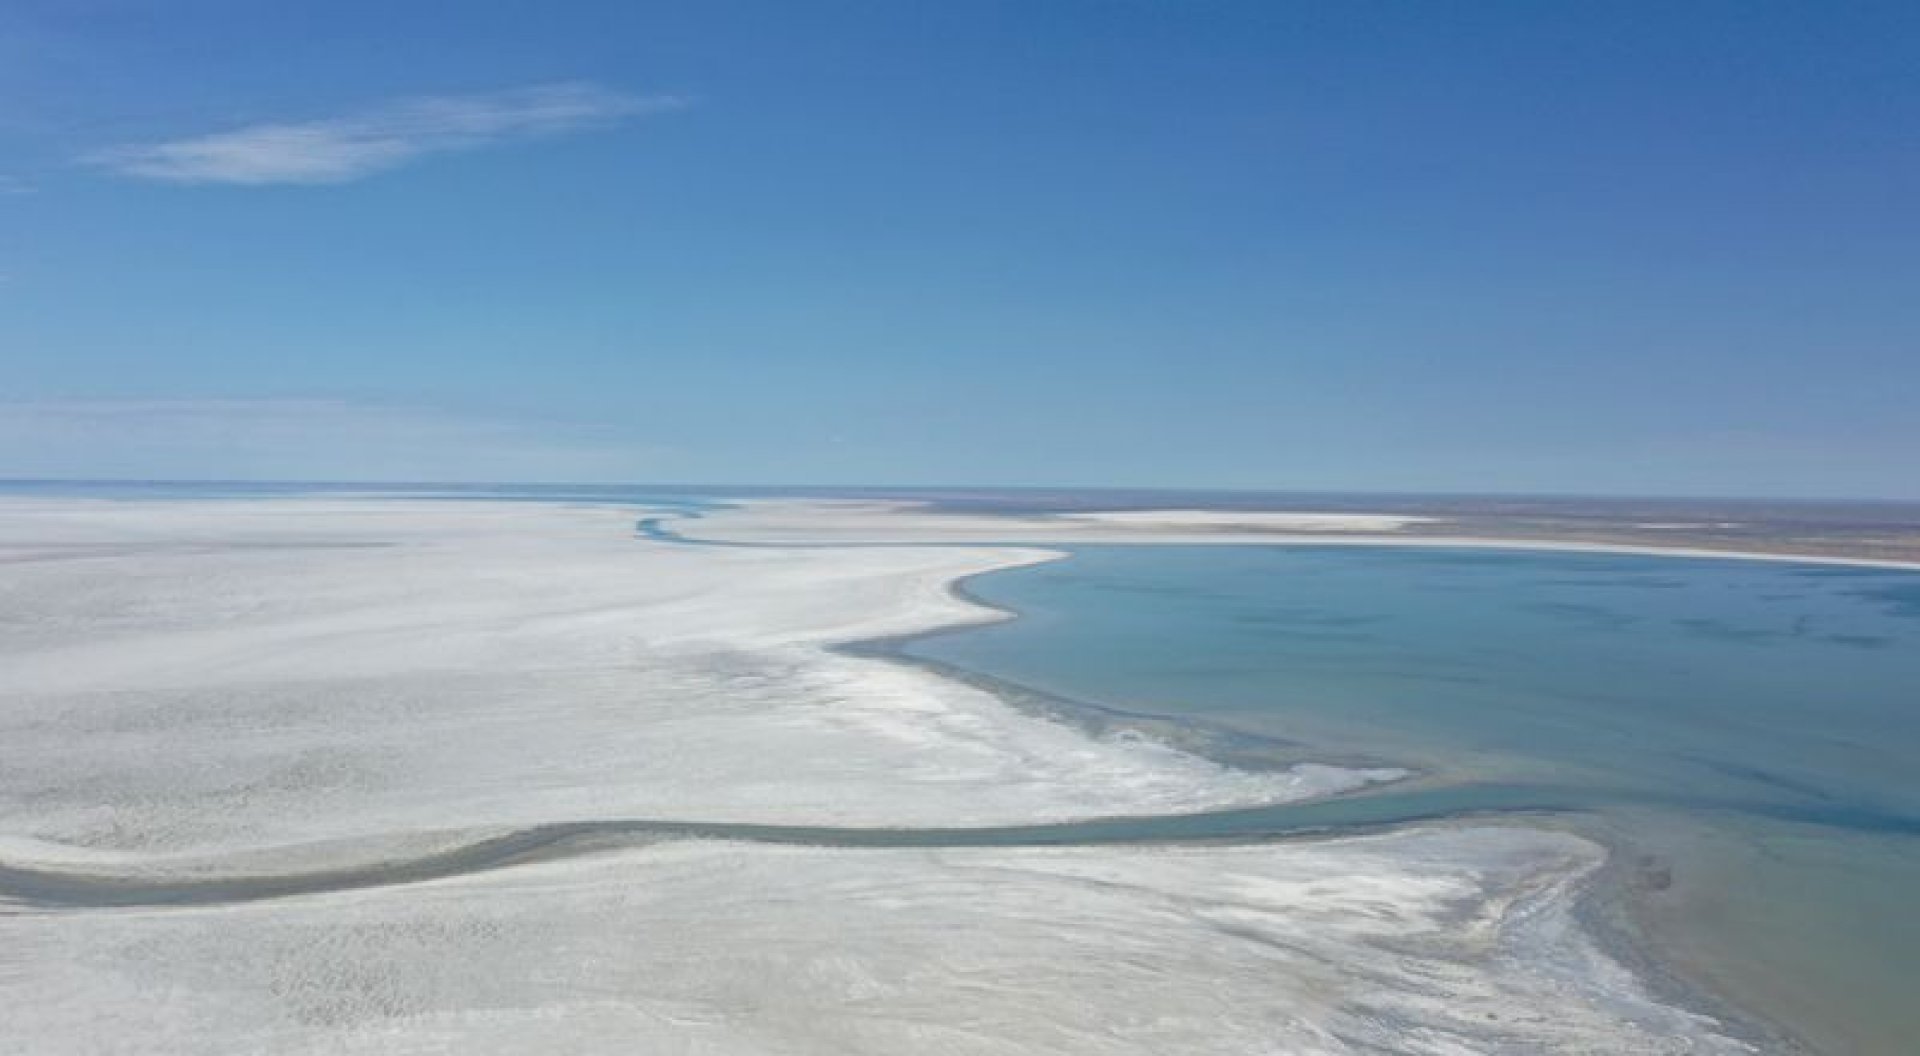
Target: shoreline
{"points": [[1613, 910], [990, 530], [325, 621], [1604, 902], [852, 634], [1623, 549]]}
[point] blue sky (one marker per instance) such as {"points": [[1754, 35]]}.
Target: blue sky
{"points": [[1627, 248]]}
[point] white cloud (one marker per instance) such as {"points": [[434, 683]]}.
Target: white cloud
{"points": [[15, 185], [340, 149], [308, 439]]}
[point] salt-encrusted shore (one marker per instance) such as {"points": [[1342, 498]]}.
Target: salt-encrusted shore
{"points": [[244, 687], [1436, 943], [894, 522], [192, 679]]}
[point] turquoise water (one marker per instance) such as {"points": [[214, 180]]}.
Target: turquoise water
{"points": [[1752, 727]]}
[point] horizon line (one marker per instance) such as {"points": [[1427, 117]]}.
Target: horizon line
{"points": [[1188, 489]]}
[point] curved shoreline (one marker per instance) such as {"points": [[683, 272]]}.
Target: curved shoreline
{"points": [[1253, 825], [1603, 902], [1091, 535]]}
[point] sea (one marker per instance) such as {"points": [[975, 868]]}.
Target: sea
{"points": [[1745, 734]]}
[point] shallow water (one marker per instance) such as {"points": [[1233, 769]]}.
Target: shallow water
{"points": [[1752, 728]]}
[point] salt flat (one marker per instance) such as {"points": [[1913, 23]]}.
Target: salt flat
{"points": [[189, 681], [246, 688], [1436, 943]]}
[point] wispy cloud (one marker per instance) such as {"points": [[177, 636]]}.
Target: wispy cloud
{"points": [[340, 149], [309, 439], [15, 185]]}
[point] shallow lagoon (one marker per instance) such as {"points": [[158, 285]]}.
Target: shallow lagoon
{"points": [[1749, 731]]}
